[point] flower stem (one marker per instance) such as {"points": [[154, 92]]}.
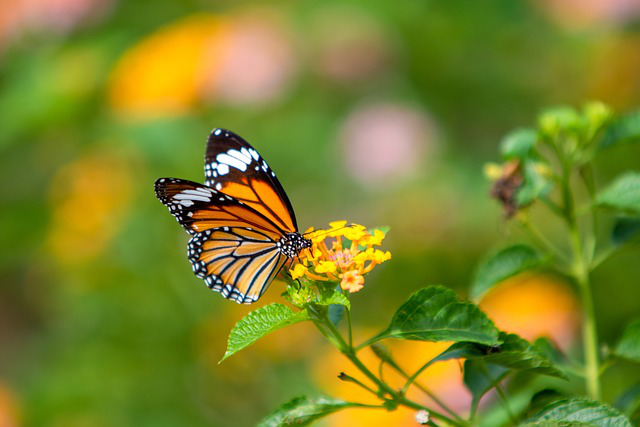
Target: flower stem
{"points": [[580, 272], [329, 330]]}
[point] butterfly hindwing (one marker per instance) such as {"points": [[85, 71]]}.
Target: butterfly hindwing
{"points": [[234, 167], [238, 262]]}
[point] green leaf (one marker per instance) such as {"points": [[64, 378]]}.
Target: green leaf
{"points": [[514, 353], [581, 410], [518, 144], [623, 194], [622, 130], [629, 403], [436, 314], [506, 263], [333, 296], [259, 323], [556, 424], [629, 345], [302, 411], [535, 184], [480, 377], [625, 229]]}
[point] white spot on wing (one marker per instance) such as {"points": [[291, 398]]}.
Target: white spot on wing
{"points": [[240, 156], [222, 169], [230, 161], [254, 154]]}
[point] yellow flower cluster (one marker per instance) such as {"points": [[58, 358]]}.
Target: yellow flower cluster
{"points": [[344, 253]]}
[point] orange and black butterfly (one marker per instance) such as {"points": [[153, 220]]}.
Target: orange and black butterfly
{"points": [[243, 226]]}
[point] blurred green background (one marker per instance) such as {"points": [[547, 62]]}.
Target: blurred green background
{"points": [[378, 112]]}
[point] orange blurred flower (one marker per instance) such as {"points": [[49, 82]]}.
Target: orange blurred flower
{"points": [[237, 59], [89, 197], [8, 408], [332, 259], [444, 379], [533, 306], [164, 73]]}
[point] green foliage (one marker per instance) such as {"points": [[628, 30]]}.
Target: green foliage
{"points": [[436, 314], [259, 323], [519, 144], [513, 353], [502, 265], [629, 403], [623, 194], [480, 377], [629, 345], [302, 411], [625, 230], [535, 184], [622, 130], [580, 410]]}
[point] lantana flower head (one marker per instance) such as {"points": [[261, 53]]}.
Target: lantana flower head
{"points": [[343, 253]]}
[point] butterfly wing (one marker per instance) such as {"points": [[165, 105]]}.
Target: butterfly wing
{"points": [[199, 208], [238, 262], [233, 248], [234, 167]]}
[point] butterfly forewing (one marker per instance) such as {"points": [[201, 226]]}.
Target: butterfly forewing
{"points": [[199, 208], [235, 168]]}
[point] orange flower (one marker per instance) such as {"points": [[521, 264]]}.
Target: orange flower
{"points": [[352, 281]]}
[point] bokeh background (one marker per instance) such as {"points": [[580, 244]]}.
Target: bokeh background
{"points": [[377, 112]]}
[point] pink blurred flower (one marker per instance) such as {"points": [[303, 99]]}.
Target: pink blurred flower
{"points": [[578, 14], [55, 16], [350, 46], [257, 63], [385, 142]]}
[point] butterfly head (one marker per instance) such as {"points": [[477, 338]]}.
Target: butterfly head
{"points": [[292, 243]]}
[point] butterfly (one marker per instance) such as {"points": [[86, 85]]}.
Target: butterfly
{"points": [[241, 221]]}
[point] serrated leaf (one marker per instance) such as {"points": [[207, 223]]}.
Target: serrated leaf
{"points": [[436, 314], [625, 230], [629, 345], [623, 194], [621, 130], [302, 411], [556, 424], [259, 323], [514, 353], [333, 297], [581, 410], [504, 264], [518, 144], [480, 377]]}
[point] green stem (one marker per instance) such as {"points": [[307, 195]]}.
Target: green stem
{"points": [[505, 404], [327, 328], [425, 390], [540, 240], [581, 276]]}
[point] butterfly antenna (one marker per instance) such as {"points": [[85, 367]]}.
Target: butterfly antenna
{"points": [[330, 231]]}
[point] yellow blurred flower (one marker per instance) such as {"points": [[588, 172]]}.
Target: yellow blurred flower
{"points": [[89, 197], [533, 306], [343, 253], [164, 73]]}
